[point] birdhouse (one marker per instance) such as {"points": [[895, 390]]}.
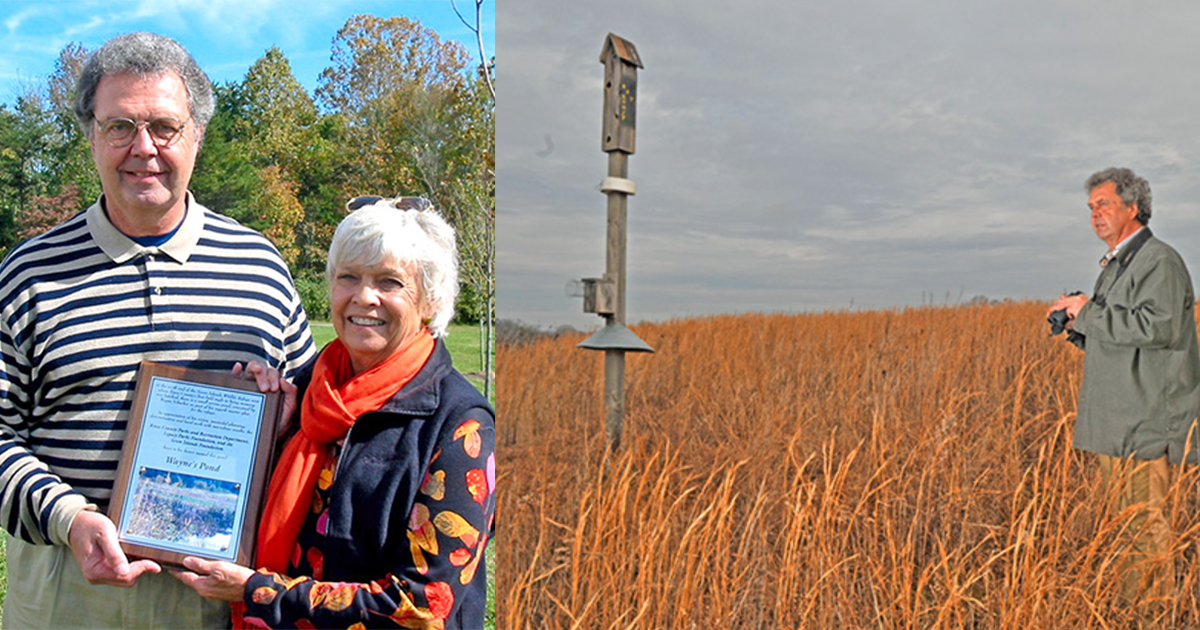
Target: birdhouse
{"points": [[621, 62]]}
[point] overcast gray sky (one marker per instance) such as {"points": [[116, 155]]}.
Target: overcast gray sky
{"points": [[806, 156]]}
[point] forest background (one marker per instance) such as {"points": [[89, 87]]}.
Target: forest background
{"points": [[398, 112]]}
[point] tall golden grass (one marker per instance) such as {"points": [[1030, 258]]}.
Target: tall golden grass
{"points": [[888, 469]]}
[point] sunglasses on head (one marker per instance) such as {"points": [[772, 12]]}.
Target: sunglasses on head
{"points": [[400, 203]]}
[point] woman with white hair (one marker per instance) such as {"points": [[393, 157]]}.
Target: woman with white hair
{"points": [[381, 505]]}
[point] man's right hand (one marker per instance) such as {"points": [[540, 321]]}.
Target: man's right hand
{"points": [[93, 540]]}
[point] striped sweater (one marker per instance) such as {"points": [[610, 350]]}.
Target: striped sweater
{"points": [[80, 306]]}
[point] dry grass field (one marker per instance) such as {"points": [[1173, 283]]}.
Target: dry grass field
{"points": [[890, 469]]}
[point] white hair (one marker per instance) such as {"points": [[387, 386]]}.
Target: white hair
{"points": [[420, 238]]}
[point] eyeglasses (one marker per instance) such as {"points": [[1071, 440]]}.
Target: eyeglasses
{"points": [[120, 132], [400, 203]]}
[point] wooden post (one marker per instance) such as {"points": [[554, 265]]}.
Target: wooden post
{"points": [[607, 294], [614, 358]]}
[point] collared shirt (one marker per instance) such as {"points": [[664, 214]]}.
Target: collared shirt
{"points": [[121, 248], [1112, 253], [81, 306]]}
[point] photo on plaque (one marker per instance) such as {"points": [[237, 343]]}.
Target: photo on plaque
{"points": [[193, 470], [183, 509]]}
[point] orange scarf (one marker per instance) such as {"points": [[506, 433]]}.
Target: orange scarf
{"points": [[335, 399]]}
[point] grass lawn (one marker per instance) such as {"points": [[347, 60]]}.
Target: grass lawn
{"points": [[463, 341]]}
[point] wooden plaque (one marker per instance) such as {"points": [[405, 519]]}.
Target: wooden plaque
{"points": [[194, 468]]}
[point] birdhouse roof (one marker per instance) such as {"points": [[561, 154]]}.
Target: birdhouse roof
{"points": [[622, 48]]}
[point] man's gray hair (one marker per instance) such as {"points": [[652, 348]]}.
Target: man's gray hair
{"points": [[1130, 188], [420, 238], [147, 55]]}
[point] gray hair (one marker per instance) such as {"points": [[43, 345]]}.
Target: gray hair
{"points": [[147, 55], [420, 238], [1130, 188]]}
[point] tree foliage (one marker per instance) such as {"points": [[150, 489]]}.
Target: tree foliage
{"points": [[395, 83], [46, 211], [280, 210], [37, 154]]}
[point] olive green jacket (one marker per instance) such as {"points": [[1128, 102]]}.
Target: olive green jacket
{"points": [[1141, 369]]}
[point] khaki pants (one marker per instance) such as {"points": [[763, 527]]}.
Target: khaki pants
{"points": [[46, 589], [1147, 576]]}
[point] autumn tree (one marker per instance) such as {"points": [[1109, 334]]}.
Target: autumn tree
{"points": [[46, 211], [391, 79], [421, 122], [280, 210]]}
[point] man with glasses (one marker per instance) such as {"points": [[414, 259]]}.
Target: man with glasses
{"points": [[146, 273], [1141, 376]]}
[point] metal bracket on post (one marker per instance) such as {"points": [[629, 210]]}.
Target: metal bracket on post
{"points": [[618, 184]]}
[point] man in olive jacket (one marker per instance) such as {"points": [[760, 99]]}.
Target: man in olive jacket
{"points": [[1141, 370]]}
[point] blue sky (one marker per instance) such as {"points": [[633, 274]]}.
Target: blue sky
{"points": [[225, 36]]}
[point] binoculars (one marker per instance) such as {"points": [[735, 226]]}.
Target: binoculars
{"points": [[1058, 323]]}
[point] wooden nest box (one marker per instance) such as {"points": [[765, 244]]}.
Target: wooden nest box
{"points": [[621, 63]]}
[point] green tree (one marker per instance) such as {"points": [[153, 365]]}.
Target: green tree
{"points": [[226, 176], [73, 166], [270, 161], [267, 120], [284, 130], [13, 189], [46, 171], [276, 114], [32, 152]]}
